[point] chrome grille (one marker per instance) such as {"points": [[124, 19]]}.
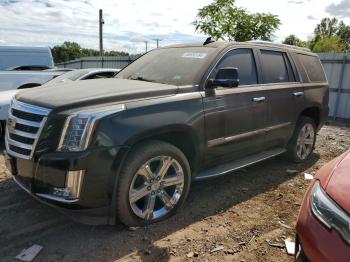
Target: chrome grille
{"points": [[23, 128]]}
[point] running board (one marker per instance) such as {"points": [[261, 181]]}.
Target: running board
{"points": [[238, 164]]}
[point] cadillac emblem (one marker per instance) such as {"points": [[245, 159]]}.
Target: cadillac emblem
{"points": [[11, 123]]}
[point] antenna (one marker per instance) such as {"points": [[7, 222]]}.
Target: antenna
{"points": [[208, 41]]}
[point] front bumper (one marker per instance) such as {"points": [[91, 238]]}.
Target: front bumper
{"points": [[317, 243], [41, 175]]}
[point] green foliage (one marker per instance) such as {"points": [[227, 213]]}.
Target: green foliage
{"points": [[344, 33], [223, 20], [331, 35], [293, 40], [329, 44], [327, 28], [71, 50]]}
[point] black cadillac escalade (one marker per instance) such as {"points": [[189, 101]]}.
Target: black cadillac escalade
{"points": [[128, 148]]}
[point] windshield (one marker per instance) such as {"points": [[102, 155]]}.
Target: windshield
{"points": [[174, 66], [69, 76]]}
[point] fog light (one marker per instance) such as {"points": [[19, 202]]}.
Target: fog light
{"points": [[74, 180]]}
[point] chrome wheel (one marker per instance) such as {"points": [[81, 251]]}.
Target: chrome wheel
{"points": [[156, 187], [305, 141]]}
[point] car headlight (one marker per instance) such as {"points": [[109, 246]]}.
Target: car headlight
{"points": [[329, 213], [79, 127]]}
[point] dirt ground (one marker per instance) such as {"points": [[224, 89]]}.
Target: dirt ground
{"points": [[232, 218]]}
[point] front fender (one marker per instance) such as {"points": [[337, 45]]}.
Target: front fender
{"points": [[144, 119]]}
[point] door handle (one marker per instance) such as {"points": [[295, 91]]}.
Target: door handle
{"points": [[298, 93], [259, 99]]}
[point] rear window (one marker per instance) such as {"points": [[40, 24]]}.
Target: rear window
{"points": [[276, 67], [312, 67], [10, 58]]}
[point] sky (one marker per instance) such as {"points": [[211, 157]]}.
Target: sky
{"points": [[128, 23]]}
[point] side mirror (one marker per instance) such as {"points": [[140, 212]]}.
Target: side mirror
{"points": [[225, 77]]}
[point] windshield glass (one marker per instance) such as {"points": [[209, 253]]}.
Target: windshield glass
{"points": [[175, 66], [69, 76]]}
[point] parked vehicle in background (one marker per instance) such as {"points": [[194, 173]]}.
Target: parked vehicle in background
{"points": [[29, 68], [128, 148], [323, 227], [22, 67], [84, 74], [12, 80], [15, 56], [71, 75]]}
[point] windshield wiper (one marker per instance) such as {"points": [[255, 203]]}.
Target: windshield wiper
{"points": [[140, 78]]}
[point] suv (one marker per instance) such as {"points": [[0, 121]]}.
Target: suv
{"points": [[128, 148]]}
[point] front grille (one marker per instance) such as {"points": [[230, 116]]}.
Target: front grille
{"points": [[22, 139], [29, 129], [23, 128], [20, 150], [26, 115]]}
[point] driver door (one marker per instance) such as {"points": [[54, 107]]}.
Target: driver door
{"points": [[235, 117]]}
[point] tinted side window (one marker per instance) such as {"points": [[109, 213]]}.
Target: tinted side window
{"points": [[291, 75], [313, 67], [275, 67], [242, 59]]}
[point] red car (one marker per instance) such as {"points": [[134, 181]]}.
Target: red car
{"points": [[323, 227]]}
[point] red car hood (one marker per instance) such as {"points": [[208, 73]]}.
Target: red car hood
{"points": [[335, 179]]}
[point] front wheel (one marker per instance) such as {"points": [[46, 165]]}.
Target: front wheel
{"points": [[153, 184], [303, 141]]}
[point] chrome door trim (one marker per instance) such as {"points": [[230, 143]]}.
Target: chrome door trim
{"points": [[224, 140]]}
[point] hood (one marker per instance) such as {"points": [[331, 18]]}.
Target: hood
{"points": [[337, 185], [91, 92]]}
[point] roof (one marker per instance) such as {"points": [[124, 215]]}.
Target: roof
{"points": [[24, 48], [98, 70], [224, 44]]}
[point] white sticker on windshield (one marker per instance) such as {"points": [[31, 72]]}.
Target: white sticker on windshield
{"points": [[194, 55]]}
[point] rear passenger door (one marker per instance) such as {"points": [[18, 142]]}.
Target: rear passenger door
{"points": [[284, 95], [235, 117]]}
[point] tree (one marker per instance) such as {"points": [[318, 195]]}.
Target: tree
{"points": [[329, 44], [331, 33], [327, 28], [293, 40], [71, 50], [65, 52], [344, 33], [223, 20]]}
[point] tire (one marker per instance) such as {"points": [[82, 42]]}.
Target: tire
{"points": [[300, 146], [143, 183]]}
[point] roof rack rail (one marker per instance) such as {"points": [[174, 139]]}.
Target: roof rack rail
{"points": [[279, 45]]}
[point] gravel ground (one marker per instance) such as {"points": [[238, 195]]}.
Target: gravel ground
{"points": [[232, 218]]}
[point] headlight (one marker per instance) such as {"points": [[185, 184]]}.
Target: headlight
{"points": [[329, 213], [79, 127]]}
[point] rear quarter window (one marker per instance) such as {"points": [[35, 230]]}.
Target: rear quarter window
{"points": [[312, 67]]}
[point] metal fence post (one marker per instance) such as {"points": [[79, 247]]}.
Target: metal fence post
{"points": [[340, 84]]}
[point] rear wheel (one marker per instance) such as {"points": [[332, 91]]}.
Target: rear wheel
{"points": [[303, 141], [153, 184]]}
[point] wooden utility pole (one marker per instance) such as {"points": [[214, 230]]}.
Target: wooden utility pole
{"points": [[157, 40], [101, 22]]}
